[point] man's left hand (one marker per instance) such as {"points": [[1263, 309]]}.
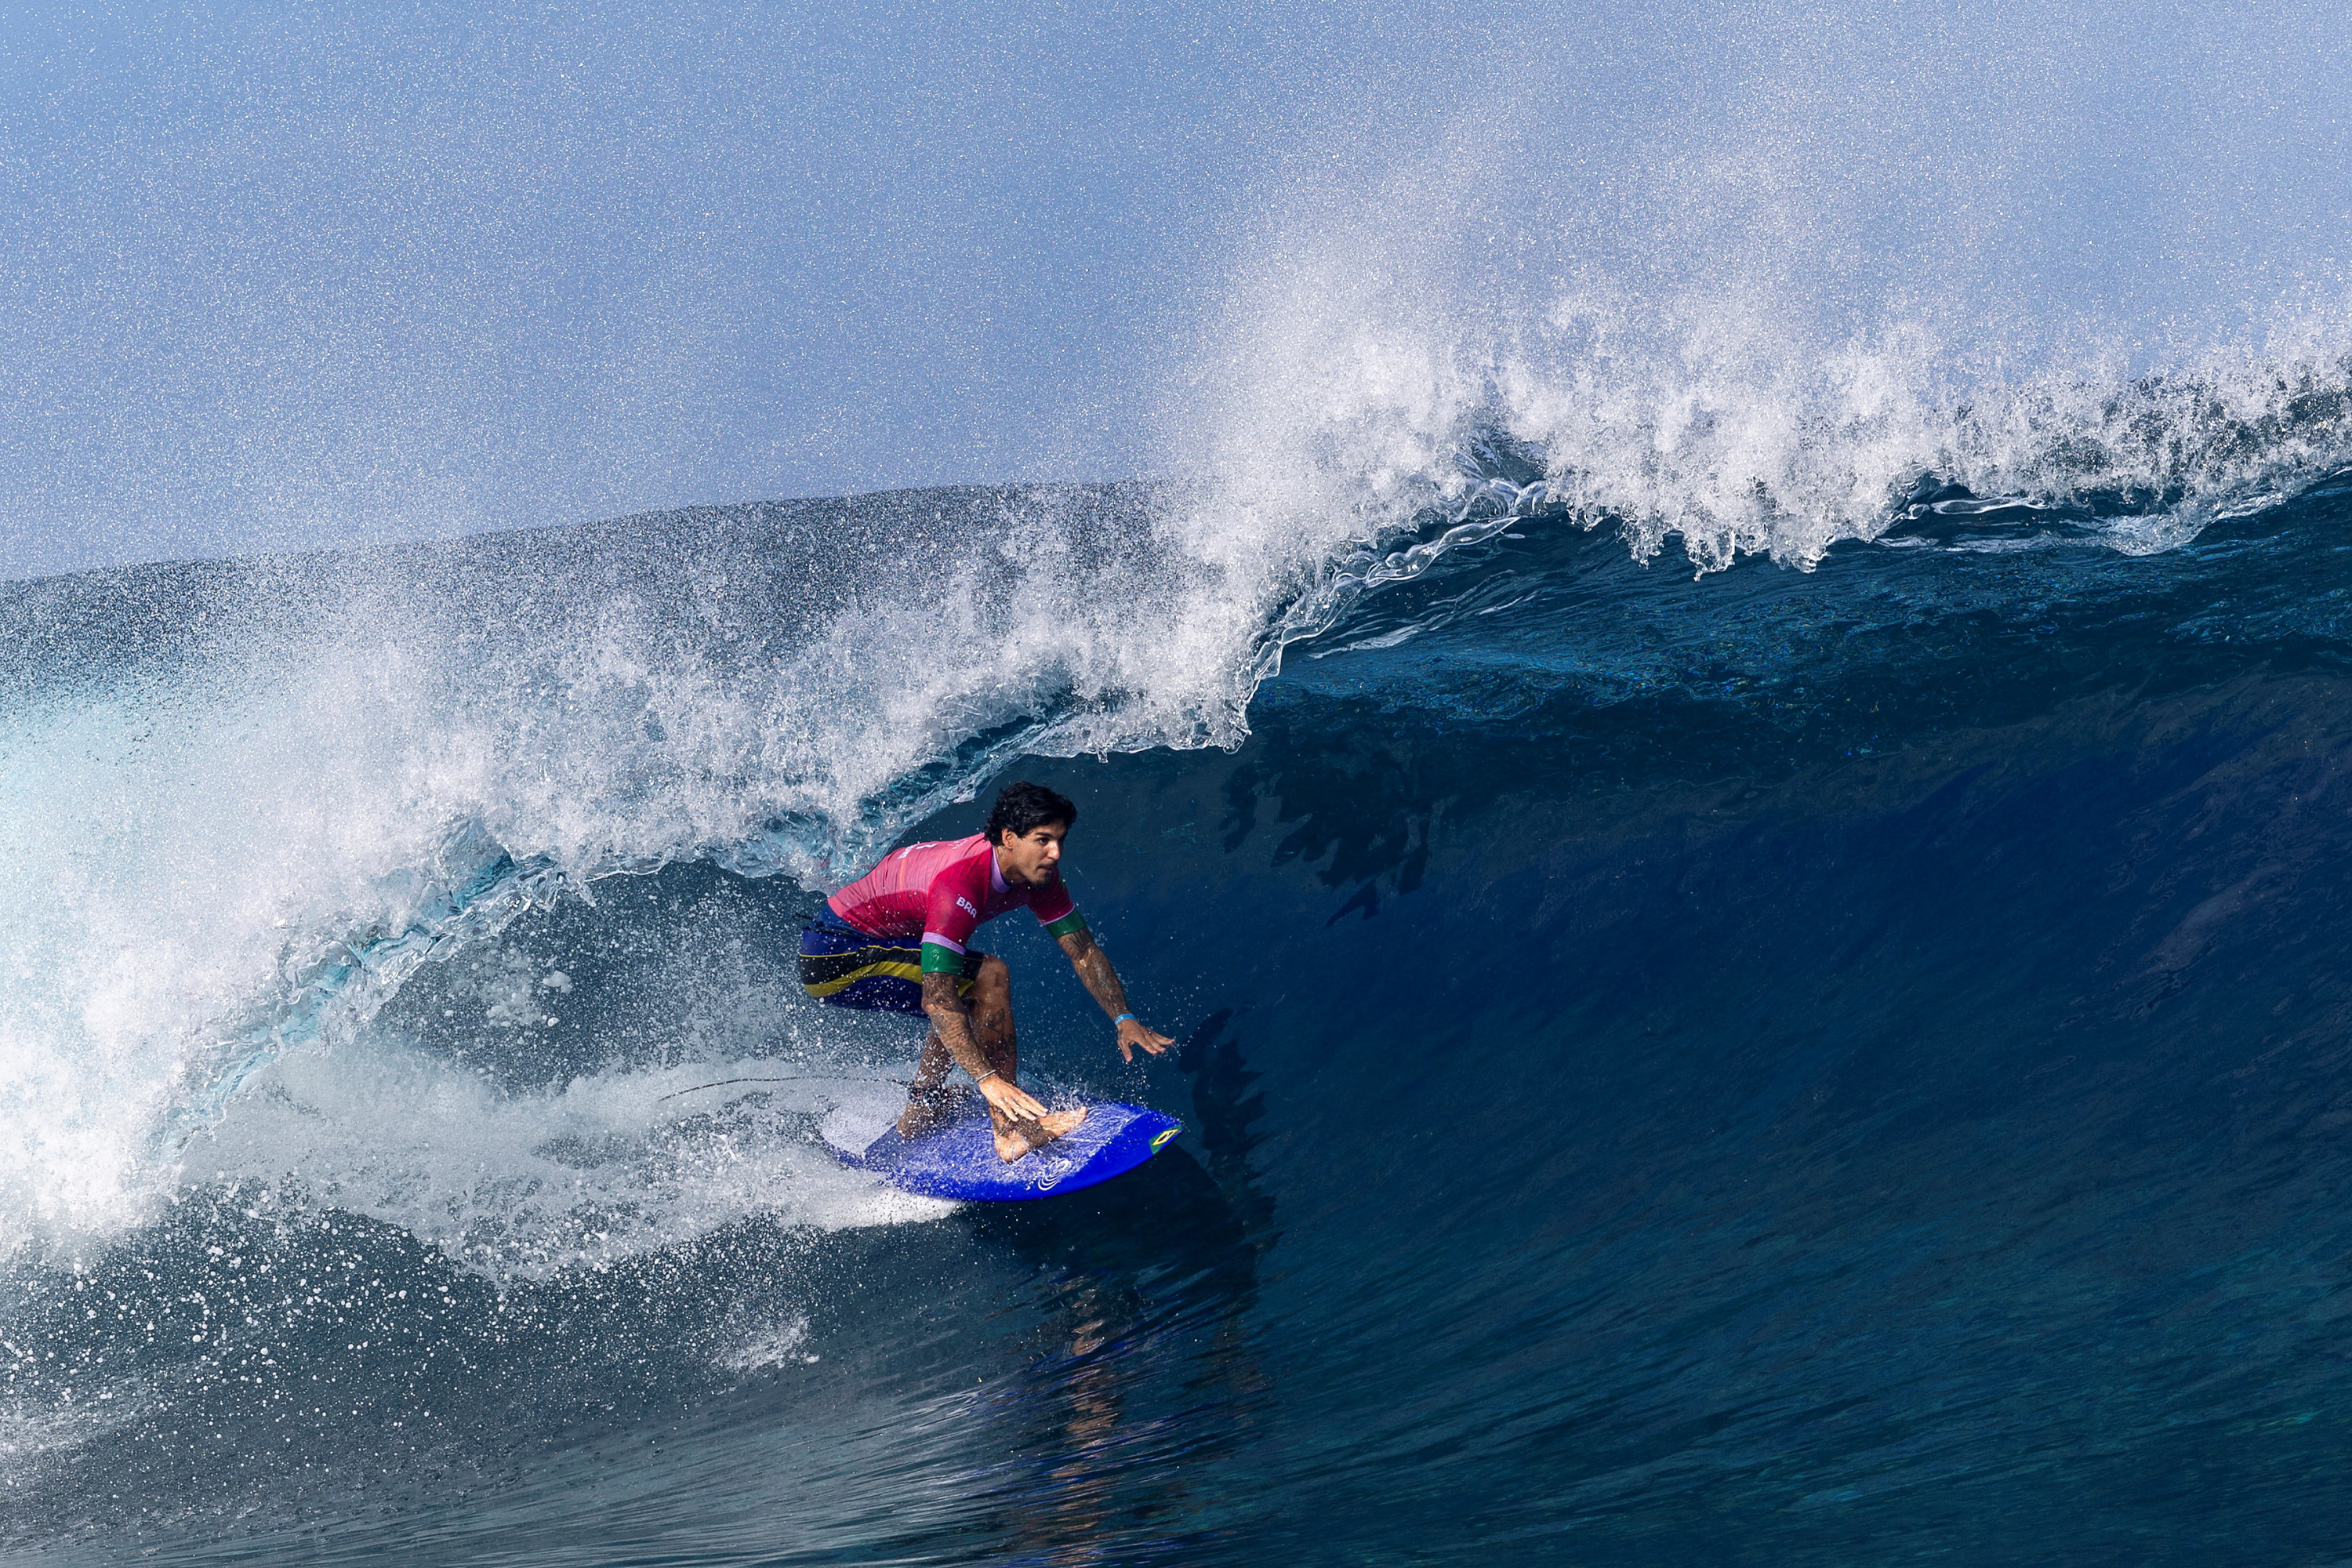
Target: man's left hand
{"points": [[1132, 1034]]}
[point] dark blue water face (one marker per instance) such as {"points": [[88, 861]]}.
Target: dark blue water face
{"points": [[1863, 1074], [1935, 1154]]}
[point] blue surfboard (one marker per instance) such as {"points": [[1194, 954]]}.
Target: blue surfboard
{"points": [[959, 1161]]}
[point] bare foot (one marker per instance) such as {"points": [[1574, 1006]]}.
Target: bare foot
{"points": [[1018, 1138]]}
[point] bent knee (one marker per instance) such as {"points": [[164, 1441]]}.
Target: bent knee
{"points": [[993, 972]]}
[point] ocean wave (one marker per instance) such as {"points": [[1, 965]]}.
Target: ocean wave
{"points": [[254, 798]]}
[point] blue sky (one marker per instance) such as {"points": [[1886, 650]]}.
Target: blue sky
{"points": [[278, 277]]}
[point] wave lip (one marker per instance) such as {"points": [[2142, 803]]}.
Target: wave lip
{"points": [[1360, 352]]}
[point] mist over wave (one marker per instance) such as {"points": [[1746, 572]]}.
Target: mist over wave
{"points": [[1738, 281]]}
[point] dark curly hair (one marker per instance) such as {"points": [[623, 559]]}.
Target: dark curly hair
{"points": [[1024, 807]]}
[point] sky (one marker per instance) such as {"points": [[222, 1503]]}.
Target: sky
{"points": [[283, 277], [279, 276]]}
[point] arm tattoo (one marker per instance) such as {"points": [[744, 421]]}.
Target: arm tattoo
{"points": [[952, 1018]]}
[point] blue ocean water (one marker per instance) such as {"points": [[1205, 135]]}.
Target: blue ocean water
{"points": [[1835, 1057]]}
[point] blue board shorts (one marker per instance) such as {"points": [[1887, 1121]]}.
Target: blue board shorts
{"points": [[844, 967]]}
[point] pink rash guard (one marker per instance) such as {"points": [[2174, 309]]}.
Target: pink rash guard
{"points": [[942, 891]]}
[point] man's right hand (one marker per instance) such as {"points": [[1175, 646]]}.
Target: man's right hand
{"points": [[1010, 1099]]}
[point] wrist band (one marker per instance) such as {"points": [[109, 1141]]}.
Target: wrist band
{"points": [[986, 1076], [1125, 1018]]}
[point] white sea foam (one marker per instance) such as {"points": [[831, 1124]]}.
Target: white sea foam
{"points": [[255, 856], [775, 1345], [523, 1186]]}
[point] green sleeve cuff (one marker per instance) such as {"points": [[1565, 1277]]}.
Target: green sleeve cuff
{"points": [[1069, 922], [938, 960]]}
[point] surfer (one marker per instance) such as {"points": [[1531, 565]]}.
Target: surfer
{"points": [[896, 941]]}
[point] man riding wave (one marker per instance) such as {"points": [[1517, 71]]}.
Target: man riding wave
{"points": [[897, 941]]}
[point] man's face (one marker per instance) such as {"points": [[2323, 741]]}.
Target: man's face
{"points": [[1032, 858]]}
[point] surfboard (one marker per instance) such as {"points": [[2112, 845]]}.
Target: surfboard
{"points": [[959, 1161]]}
